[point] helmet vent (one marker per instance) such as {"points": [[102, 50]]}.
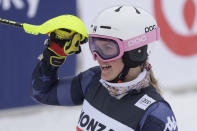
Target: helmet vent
{"points": [[118, 9], [137, 11], [105, 27]]}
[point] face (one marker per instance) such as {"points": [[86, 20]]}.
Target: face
{"points": [[110, 70]]}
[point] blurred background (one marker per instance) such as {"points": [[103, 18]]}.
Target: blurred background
{"points": [[174, 60]]}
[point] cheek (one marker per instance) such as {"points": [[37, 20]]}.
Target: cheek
{"points": [[117, 67]]}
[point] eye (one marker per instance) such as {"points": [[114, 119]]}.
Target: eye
{"points": [[108, 47]]}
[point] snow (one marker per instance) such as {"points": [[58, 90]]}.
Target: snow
{"points": [[50, 118]]}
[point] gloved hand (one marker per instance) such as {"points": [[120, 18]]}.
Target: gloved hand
{"points": [[62, 42]]}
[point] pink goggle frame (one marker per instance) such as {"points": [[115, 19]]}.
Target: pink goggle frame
{"points": [[129, 44]]}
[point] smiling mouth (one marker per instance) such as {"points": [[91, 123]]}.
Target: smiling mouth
{"points": [[105, 67]]}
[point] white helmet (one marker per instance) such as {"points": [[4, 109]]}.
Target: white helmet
{"points": [[125, 22]]}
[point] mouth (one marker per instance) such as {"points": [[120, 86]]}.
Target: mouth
{"points": [[105, 67]]}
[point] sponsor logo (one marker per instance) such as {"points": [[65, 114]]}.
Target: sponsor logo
{"points": [[171, 124], [144, 102], [150, 28], [183, 45], [32, 6], [88, 123], [137, 40]]}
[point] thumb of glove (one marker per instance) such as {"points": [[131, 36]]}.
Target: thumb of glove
{"points": [[73, 46]]}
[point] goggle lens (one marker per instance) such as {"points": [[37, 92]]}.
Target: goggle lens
{"points": [[105, 48]]}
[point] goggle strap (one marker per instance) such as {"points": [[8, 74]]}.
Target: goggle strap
{"points": [[142, 40]]}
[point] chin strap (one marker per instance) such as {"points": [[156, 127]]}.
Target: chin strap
{"points": [[121, 77]]}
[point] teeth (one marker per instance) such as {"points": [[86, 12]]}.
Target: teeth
{"points": [[105, 66]]}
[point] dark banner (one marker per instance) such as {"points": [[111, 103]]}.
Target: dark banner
{"points": [[19, 50]]}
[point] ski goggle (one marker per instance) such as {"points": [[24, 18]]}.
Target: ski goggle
{"points": [[110, 48]]}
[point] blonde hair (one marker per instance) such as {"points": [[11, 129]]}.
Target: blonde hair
{"points": [[154, 82]]}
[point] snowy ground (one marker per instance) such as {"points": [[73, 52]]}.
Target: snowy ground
{"points": [[50, 118]]}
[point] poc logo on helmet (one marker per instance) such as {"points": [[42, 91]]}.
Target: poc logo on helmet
{"points": [[150, 28]]}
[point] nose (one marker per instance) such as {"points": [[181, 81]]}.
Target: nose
{"points": [[100, 61]]}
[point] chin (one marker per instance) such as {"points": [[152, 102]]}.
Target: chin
{"points": [[107, 78]]}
